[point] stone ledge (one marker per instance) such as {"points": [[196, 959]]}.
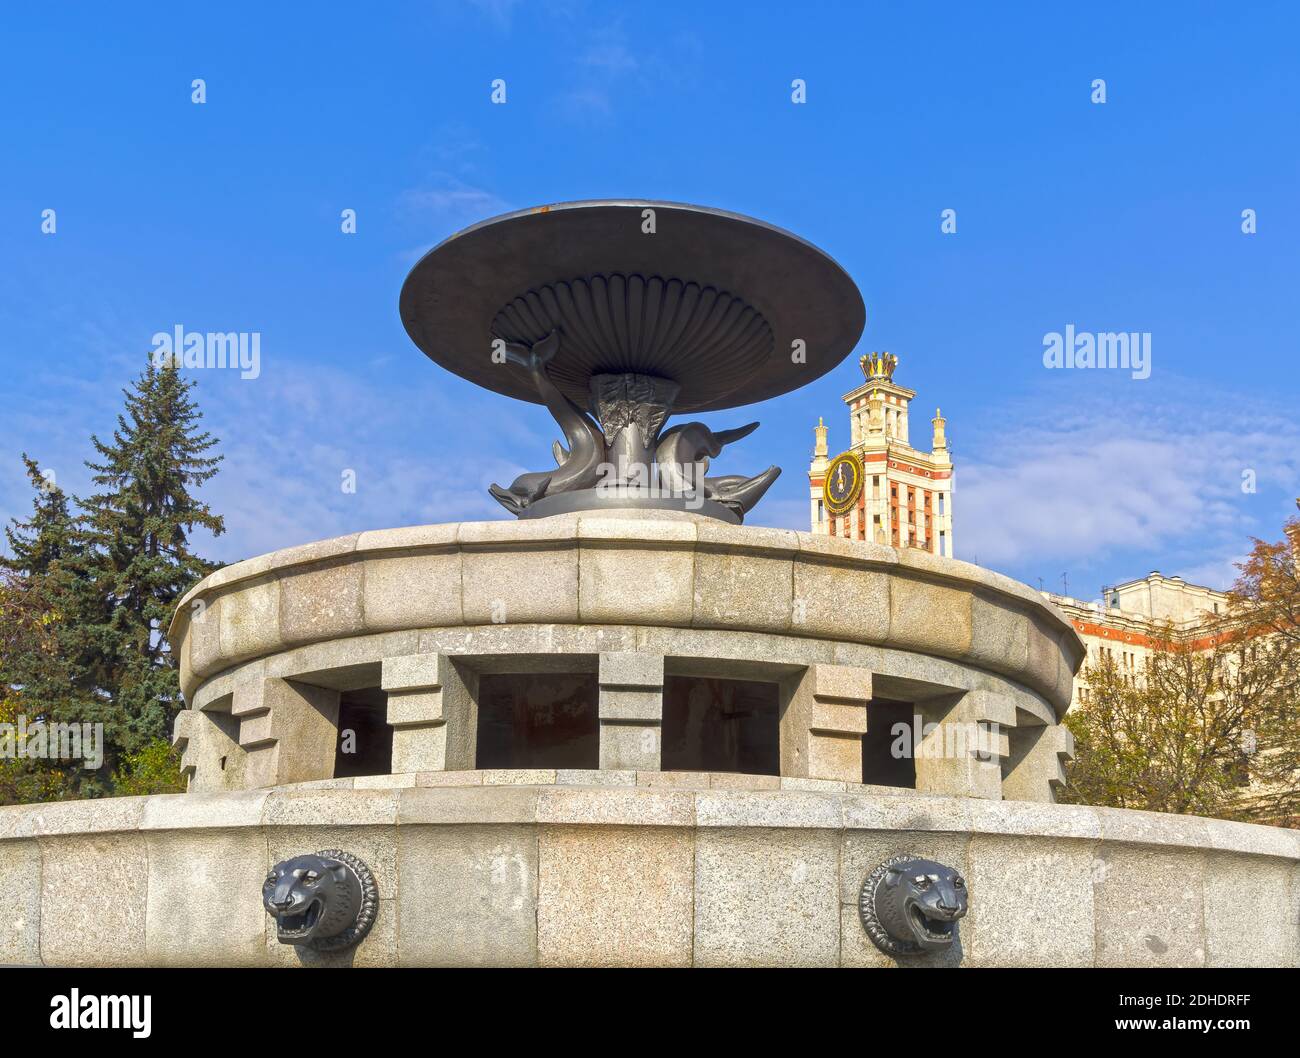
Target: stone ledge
{"points": [[702, 801]]}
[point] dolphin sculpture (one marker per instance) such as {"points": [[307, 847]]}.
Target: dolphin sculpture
{"points": [[578, 466]]}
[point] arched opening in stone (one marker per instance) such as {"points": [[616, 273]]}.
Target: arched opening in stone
{"points": [[365, 741], [713, 724], [888, 749], [538, 720]]}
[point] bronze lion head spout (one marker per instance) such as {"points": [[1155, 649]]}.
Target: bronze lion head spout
{"points": [[324, 900], [910, 905]]}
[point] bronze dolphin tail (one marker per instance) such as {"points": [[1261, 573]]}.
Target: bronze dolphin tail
{"points": [[691, 445], [579, 467]]}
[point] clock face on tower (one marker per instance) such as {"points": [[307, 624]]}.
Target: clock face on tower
{"points": [[843, 483]]}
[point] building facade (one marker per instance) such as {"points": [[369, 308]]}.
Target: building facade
{"points": [[881, 489], [1133, 617]]}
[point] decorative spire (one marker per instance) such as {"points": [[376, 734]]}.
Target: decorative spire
{"points": [[879, 366], [940, 443], [820, 450]]}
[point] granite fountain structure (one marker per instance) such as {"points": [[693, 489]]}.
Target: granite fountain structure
{"points": [[622, 727]]}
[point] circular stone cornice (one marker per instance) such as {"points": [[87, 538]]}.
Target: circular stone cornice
{"points": [[693, 573]]}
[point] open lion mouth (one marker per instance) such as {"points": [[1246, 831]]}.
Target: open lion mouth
{"points": [[936, 929], [299, 925]]}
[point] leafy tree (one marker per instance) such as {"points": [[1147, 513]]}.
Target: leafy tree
{"points": [[27, 637], [1211, 724], [156, 768], [1266, 602], [39, 672], [1267, 591]]}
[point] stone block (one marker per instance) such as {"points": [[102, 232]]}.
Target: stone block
{"points": [[822, 722], [632, 585], [840, 601], [594, 777], [518, 776], [906, 811], [290, 729], [929, 617], [743, 590], [1044, 665], [449, 778], [630, 746], [414, 672], [840, 683], [313, 808], [767, 809], [323, 603], [676, 780], [614, 896], [412, 591], [1250, 922], [1150, 907], [631, 706], [419, 748], [249, 619], [631, 668], [739, 780], [616, 806], [204, 634], [409, 708], [1030, 902], [814, 785], [840, 718], [204, 898], [20, 903], [999, 633], [521, 586], [409, 541], [469, 895], [458, 805], [93, 900], [226, 809], [835, 757], [396, 781], [767, 898]]}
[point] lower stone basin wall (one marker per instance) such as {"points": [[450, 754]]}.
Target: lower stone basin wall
{"points": [[519, 868]]}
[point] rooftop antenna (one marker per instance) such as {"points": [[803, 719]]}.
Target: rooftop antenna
{"points": [[1065, 584]]}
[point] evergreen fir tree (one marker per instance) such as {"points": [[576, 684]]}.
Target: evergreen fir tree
{"points": [[137, 561], [48, 537]]}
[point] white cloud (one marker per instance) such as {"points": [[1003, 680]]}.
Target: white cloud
{"points": [[1122, 476], [451, 198]]}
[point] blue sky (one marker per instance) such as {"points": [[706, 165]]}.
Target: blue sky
{"points": [[1117, 217]]}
